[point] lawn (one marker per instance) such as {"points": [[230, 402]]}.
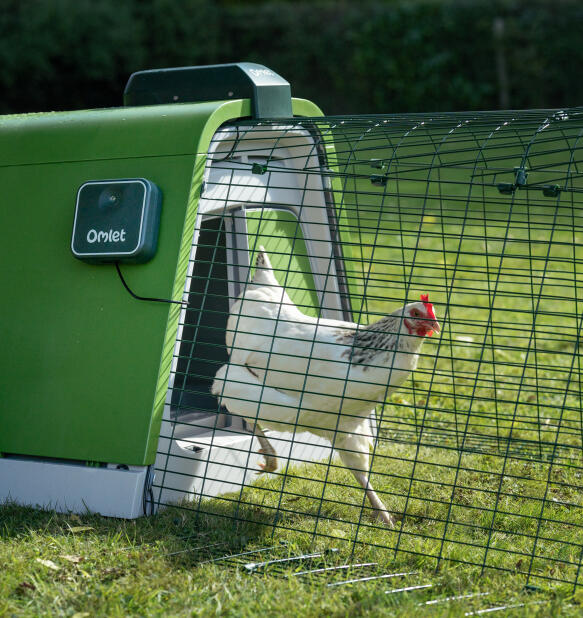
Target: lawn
{"points": [[69, 565]]}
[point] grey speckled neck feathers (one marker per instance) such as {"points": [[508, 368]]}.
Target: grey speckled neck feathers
{"points": [[385, 335]]}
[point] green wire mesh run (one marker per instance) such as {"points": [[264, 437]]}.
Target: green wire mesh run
{"points": [[479, 451]]}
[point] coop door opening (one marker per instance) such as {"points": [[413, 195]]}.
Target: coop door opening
{"points": [[201, 348], [222, 259]]}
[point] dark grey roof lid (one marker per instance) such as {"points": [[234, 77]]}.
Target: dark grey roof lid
{"points": [[270, 94]]}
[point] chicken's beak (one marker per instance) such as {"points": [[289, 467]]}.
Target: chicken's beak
{"points": [[434, 326]]}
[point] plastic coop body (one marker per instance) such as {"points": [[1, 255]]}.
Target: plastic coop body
{"points": [[94, 396]]}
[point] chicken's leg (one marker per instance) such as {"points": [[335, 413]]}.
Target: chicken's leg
{"points": [[376, 502], [267, 451], [353, 448]]}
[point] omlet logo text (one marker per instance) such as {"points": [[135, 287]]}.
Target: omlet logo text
{"points": [[101, 236], [258, 72]]}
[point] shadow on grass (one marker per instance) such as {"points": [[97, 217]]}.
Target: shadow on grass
{"points": [[187, 534]]}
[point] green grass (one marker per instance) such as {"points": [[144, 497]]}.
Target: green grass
{"points": [[68, 565]]}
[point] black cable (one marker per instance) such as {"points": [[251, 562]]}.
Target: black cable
{"points": [[149, 298], [148, 495]]}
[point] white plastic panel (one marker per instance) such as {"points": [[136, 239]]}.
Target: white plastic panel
{"points": [[68, 487], [231, 184], [221, 462]]}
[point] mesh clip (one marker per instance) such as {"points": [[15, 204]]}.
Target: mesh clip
{"points": [[520, 176], [551, 190], [258, 168], [506, 188], [379, 181]]}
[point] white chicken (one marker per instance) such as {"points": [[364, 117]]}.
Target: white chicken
{"points": [[287, 370]]}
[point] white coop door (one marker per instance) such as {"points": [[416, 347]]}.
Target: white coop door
{"points": [[255, 194]]}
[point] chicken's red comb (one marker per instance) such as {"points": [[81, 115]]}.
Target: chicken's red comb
{"points": [[428, 305]]}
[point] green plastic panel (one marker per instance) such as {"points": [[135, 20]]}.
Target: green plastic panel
{"points": [[85, 367], [280, 233]]}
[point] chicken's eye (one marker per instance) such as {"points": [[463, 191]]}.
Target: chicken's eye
{"points": [[415, 313]]}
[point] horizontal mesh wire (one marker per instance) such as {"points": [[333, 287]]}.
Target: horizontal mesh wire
{"points": [[480, 447]]}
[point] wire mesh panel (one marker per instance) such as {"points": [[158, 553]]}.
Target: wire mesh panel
{"points": [[326, 254]]}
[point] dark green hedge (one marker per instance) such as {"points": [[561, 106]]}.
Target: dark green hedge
{"points": [[349, 57]]}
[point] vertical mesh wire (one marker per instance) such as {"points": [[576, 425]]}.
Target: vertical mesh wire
{"points": [[481, 447]]}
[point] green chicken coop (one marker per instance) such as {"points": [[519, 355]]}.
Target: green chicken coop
{"points": [[96, 387]]}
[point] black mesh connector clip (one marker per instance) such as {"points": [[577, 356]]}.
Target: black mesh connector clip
{"points": [[506, 188], [378, 181], [551, 190], [520, 176], [378, 164], [258, 168]]}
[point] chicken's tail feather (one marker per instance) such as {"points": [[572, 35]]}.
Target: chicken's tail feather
{"points": [[263, 269], [262, 260]]}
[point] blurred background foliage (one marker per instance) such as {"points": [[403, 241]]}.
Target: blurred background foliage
{"points": [[348, 57]]}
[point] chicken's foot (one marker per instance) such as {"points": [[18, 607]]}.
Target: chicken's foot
{"points": [[377, 504], [267, 451]]}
